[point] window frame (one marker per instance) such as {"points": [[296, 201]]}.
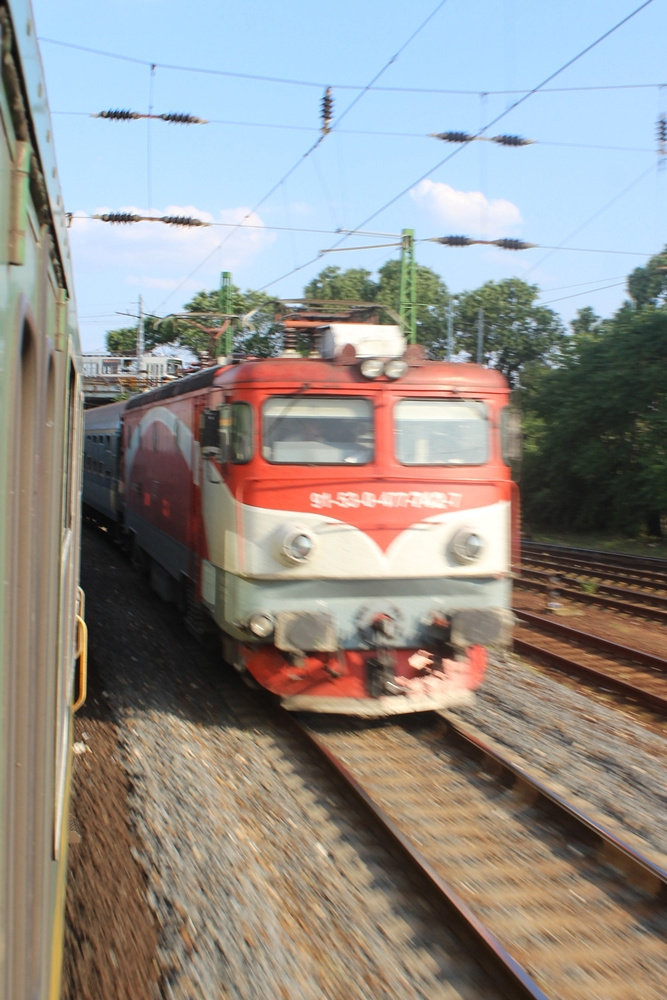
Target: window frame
{"points": [[331, 399], [440, 401]]}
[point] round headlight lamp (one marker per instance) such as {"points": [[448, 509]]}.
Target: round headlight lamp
{"points": [[372, 367], [298, 546], [396, 368], [261, 625], [467, 546]]}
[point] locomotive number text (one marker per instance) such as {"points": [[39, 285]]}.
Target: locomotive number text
{"points": [[389, 498]]}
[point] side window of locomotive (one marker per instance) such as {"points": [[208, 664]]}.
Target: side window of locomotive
{"points": [[317, 430], [510, 435], [441, 432], [241, 443]]}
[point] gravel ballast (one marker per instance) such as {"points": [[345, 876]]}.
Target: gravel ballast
{"points": [[261, 880]]}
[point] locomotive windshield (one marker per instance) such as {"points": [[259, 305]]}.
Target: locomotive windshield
{"points": [[317, 430], [441, 432]]}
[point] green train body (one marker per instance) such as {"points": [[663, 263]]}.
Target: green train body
{"points": [[41, 607]]}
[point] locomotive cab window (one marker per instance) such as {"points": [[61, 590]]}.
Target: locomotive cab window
{"points": [[441, 432], [241, 442], [317, 430]]}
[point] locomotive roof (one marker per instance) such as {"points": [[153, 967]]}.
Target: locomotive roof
{"points": [[424, 374], [321, 372]]}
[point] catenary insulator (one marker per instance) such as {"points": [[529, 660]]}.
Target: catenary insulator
{"points": [[327, 110], [118, 116], [118, 217], [182, 220], [180, 119], [511, 140], [509, 244], [455, 241], [453, 136]]}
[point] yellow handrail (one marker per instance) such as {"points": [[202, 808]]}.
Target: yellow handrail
{"points": [[82, 656]]}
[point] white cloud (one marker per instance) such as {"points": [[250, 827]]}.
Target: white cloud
{"points": [[467, 211]]}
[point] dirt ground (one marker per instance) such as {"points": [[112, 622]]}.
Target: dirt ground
{"points": [[110, 935]]}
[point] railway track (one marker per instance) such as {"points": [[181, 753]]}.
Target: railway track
{"points": [[592, 569], [638, 676], [562, 906], [619, 559], [640, 603]]}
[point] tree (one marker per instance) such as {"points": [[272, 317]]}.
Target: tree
{"points": [[332, 283], [516, 331], [122, 340], [648, 285], [586, 323], [203, 330], [432, 302], [358, 285], [597, 457]]}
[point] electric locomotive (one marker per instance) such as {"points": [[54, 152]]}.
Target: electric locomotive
{"points": [[41, 608], [344, 519]]}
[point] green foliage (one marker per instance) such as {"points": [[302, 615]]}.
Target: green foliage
{"points": [[200, 328], [358, 284], [432, 303], [122, 341], [332, 283], [648, 285], [597, 457], [517, 332]]}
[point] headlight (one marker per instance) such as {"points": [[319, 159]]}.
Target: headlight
{"points": [[261, 625], [467, 546], [372, 367], [298, 545], [395, 368]]}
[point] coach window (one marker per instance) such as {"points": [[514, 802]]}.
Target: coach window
{"points": [[318, 430], [441, 432], [242, 433]]}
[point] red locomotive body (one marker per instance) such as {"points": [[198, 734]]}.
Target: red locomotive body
{"points": [[345, 523]]}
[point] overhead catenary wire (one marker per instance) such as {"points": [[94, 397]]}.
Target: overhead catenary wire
{"points": [[283, 126], [130, 218], [590, 291], [312, 148], [455, 152], [321, 84], [173, 117], [592, 218]]}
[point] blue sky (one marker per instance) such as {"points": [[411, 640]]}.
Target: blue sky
{"points": [[591, 186]]}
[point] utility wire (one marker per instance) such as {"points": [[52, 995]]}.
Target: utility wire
{"points": [[306, 154], [489, 125], [576, 295], [368, 132], [390, 62], [339, 86], [128, 218], [592, 218]]}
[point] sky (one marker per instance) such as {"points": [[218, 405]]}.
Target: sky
{"points": [[589, 191]]}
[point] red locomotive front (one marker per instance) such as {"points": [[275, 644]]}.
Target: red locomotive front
{"points": [[343, 518]]}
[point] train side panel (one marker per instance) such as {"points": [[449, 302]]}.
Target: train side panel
{"points": [[41, 416], [162, 488]]}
